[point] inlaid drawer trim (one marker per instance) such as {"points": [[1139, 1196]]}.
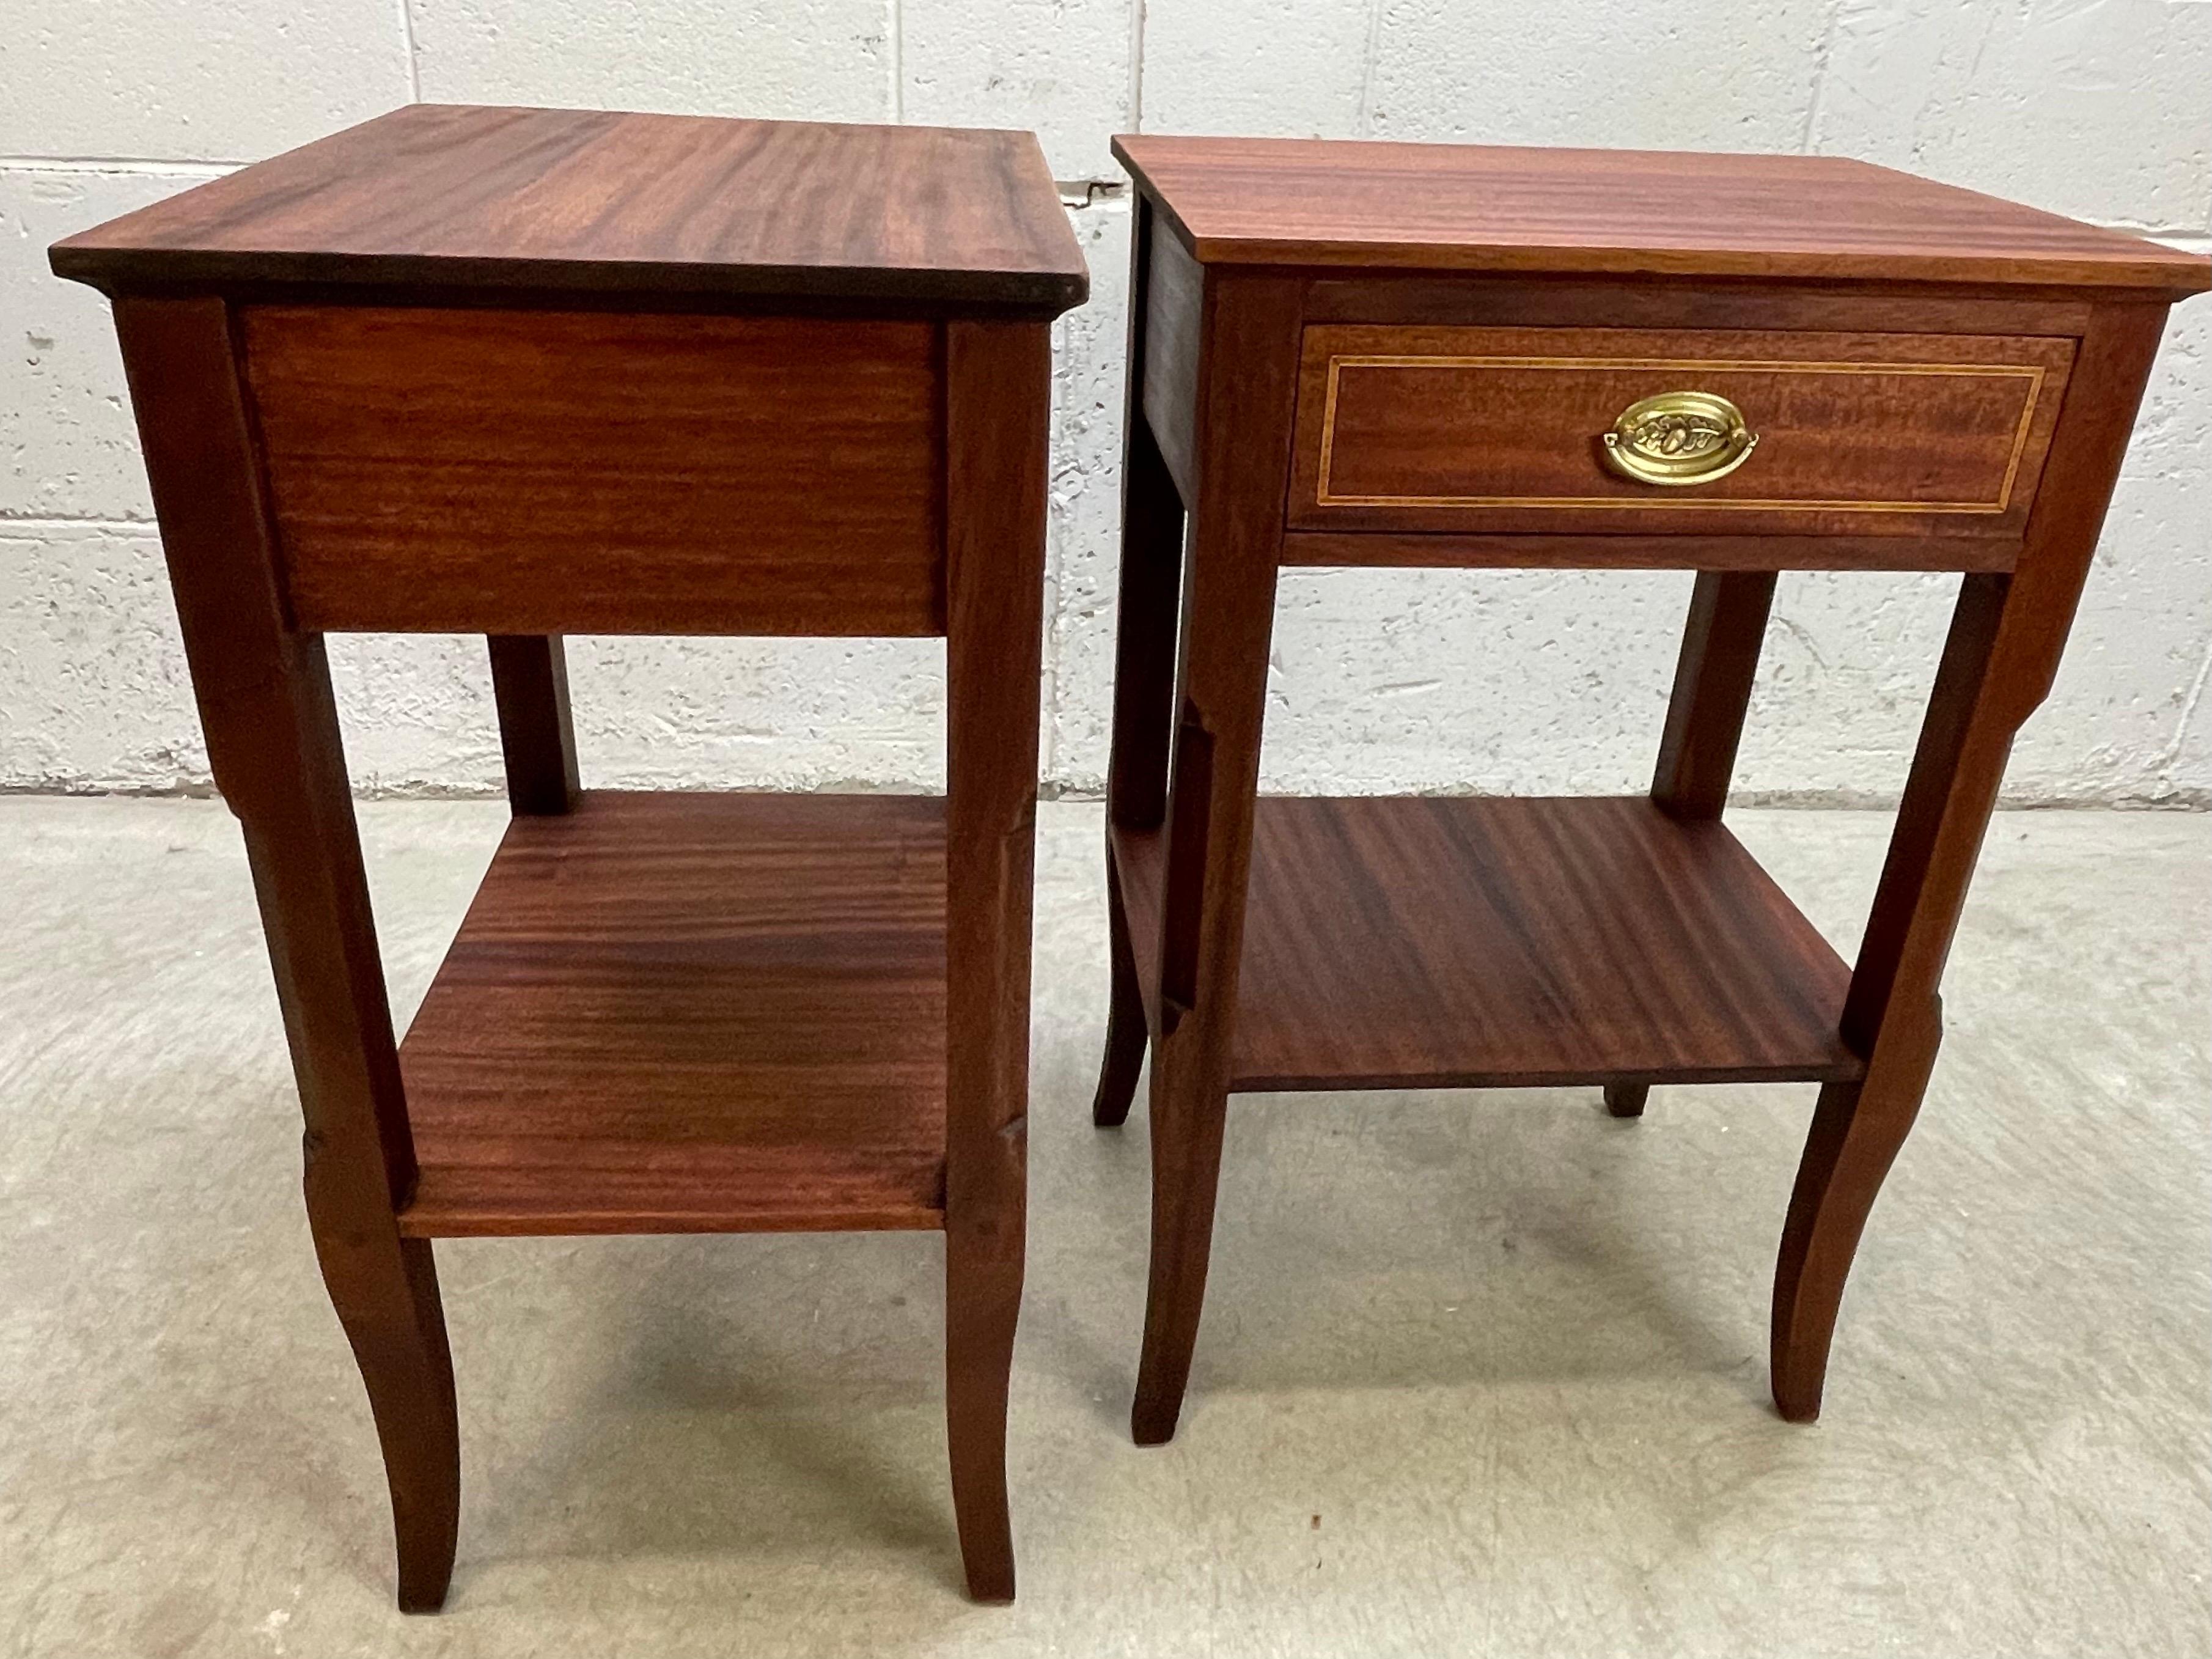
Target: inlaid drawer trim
{"points": [[1474, 429], [2033, 374]]}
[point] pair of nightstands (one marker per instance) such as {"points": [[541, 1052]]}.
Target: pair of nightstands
{"points": [[524, 373]]}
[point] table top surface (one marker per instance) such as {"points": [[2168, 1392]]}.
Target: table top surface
{"points": [[1459, 207], [458, 197]]}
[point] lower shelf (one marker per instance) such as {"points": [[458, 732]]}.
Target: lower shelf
{"points": [[691, 1013], [1497, 942]]}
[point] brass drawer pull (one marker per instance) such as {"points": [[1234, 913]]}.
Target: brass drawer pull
{"points": [[1679, 438]]}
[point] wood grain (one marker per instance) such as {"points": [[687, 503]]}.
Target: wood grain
{"points": [[1173, 296], [1153, 523], [263, 693], [1474, 430], [1151, 580], [523, 373], [1328, 944], [1523, 300], [1247, 386], [2007, 635], [1437, 550], [998, 397], [598, 203], [686, 1013], [1300, 202], [536, 733], [1713, 678], [541, 472], [1395, 942]]}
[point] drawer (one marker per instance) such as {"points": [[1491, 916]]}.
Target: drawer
{"points": [[547, 471], [1491, 430]]}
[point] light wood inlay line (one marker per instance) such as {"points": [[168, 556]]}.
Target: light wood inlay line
{"points": [[2033, 373]]}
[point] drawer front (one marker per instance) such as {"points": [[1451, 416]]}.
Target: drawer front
{"points": [[1506, 430], [517, 471]]}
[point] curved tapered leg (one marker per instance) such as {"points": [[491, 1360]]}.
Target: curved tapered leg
{"points": [[386, 1291], [264, 691], [998, 392], [1626, 1099], [1125, 1015], [1247, 403], [1186, 1175], [982, 1300], [1857, 1130], [1999, 660]]}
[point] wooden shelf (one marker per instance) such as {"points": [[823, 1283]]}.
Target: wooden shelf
{"points": [[691, 1013], [1397, 942]]}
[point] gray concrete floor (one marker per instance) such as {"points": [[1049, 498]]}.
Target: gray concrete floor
{"points": [[1481, 1373]]}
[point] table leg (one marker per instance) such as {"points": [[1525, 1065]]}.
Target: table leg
{"points": [[273, 743], [1250, 379], [537, 738], [1144, 700], [1125, 1013], [1704, 718], [998, 382], [1712, 688], [1152, 520], [1997, 666]]}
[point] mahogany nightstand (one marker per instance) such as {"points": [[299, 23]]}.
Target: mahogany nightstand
{"points": [[1369, 354], [527, 372]]}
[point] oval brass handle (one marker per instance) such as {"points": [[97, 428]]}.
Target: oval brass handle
{"points": [[1679, 438]]}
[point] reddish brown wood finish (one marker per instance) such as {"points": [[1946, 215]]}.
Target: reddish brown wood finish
{"points": [[1354, 943], [1712, 691], [579, 204], [264, 691], [1248, 354], [1474, 300], [537, 737], [1471, 943], [484, 371], [1152, 526], [691, 1013], [1998, 665], [600, 472], [1498, 429], [1302, 201], [1171, 289], [1705, 721], [998, 392], [1438, 550]]}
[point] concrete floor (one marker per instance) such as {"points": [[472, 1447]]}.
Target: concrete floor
{"points": [[1480, 1374]]}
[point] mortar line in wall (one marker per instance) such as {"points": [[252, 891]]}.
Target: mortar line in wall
{"points": [[1821, 57], [1055, 587], [2189, 703], [1362, 117], [423, 789], [14, 521], [145, 164], [1136, 65], [413, 57], [895, 26]]}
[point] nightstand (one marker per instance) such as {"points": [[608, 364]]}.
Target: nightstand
{"points": [[1362, 354], [523, 373]]}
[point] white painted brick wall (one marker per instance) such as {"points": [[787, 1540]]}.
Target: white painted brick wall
{"points": [[1382, 680]]}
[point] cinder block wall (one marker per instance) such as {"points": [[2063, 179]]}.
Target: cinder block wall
{"points": [[1383, 681]]}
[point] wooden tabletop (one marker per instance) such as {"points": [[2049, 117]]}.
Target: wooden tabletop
{"points": [[1459, 207], [456, 196]]}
